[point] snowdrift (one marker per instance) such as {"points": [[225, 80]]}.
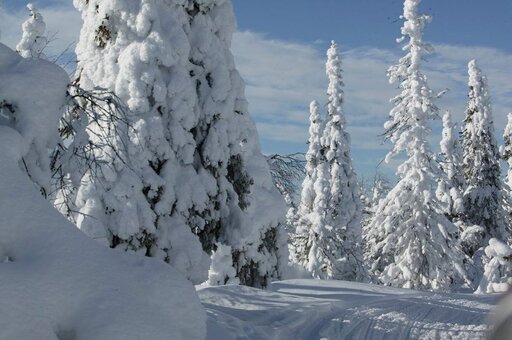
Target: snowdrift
{"points": [[55, 282]]}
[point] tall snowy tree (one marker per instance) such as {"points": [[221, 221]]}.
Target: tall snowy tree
{"points": [[313, 159], [506, 151], [328, 240], [451, 184], [185, 175], [320, 252], [344, 211], [299, 251], [410, 243], [33, 39], [484, 200]]}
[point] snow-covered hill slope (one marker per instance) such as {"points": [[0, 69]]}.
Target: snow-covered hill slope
{"points": [[55, 282], [313, 309]]}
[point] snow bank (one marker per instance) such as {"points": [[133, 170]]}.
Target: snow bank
{"points": [[57, 283]]}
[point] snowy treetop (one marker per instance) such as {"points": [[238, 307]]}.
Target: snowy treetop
{"points": [[33, 40]]}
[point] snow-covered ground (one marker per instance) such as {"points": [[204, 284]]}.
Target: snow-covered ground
{"points": [[313, 309]]}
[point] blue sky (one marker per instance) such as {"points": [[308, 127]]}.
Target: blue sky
{"points": [[375, 22], [280, 52]]}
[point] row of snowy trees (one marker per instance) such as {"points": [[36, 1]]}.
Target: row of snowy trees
{"points": [[159, 155], [430, 229]]}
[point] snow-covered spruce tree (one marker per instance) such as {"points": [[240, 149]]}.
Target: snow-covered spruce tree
{"points": [[188, 173], [317, 245], [328, 237], [410, 242], [313, 159], [484, 201], [344, 210], [33, 39], [451, 185], [506, 152], [299, 240]]}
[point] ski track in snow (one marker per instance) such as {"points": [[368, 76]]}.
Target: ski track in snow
{"points": [[312, 309]]}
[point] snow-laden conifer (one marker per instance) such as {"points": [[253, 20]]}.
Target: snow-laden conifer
{"points": [[484, 200], [33, 39], [344, 210], [321, 242], [506, 151], [328, 238], [185, 172], [313, 159], [303, 223], [451, 183], [410, 242]]}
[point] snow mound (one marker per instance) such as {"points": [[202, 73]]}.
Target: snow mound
{"points": [[497, 277], [57, 283], [322, 309], [497, 248]]}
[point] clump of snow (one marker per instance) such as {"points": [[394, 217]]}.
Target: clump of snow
{"points": [[497, 276], [497, 248], [33, 39], [56, 282], [221, 271]]}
